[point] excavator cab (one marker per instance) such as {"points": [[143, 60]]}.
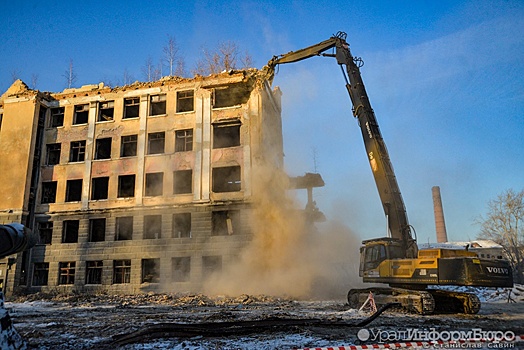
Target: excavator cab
{"points": [[375, 251]]}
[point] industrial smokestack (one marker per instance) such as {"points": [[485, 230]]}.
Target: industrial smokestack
{"points": [[440, 224]]}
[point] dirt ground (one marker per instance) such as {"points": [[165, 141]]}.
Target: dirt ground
{"points": [[93, 322]]}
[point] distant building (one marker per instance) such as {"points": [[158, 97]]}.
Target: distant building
{"points": [[143, 187], [485, 249]]}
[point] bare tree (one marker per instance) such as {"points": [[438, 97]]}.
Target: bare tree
{"points": [[151, 73], [15, 74], [34, 81], [172, 58], [223, 58], [127, 78], [70, 75], [503, 225], [180, 70]]}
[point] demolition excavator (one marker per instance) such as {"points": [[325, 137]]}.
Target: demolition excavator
{"points": [[412, 274]]}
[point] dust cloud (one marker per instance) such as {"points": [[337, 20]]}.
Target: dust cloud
{"points": [[288, 255]]}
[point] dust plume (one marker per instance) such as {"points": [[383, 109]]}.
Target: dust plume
{"points": [[288, 255]]}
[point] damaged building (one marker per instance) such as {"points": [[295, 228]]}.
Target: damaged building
{"points": [[144, 187]]}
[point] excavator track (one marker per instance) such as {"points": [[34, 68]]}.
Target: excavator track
{"points": [[413, 301], [423, 302], [455, 302]]}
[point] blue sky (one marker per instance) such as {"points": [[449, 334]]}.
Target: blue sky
{"points": [[444, 78]]}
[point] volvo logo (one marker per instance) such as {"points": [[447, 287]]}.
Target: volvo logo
{"points": [[498, 270]]}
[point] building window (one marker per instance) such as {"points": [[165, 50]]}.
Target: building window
{"points": [[184, 140], [128, 146], [155, 142], [124, 228], [181, 268], [183, 181], [226, 179], [106, 111], [131, 107], [81, 114], [211, 265], [70, 231], [182, 225], [73, 190], [157, 105], [121, 271], [57, 117], [185, 101], [152, 226], [126, 186], [103, 148], [53, 153], [100, 188], [154, 184], [226, 135], [225, 222], [231, 95], [77, 152], [94, 272], [66, 272], [150, 270], [45, 232], [48, 192], [97, 230], [40, 274]]}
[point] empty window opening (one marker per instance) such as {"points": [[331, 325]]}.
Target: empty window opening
{"points": [[181, 269], [226, 135], [152, 226], [94, 272], [106, 111], [211, 265], [40, 274], [103, 148], [183, 181], [45, 232], [150, 270], [185, 101], [155, 142], [73, 190], [124, 228], [77, 152], [226, 179], [157, 105], [154, 184], [81, 114], [57, 117], [70, 231], [100, 188], [126, 186], [121, 271], [53, 153], [48, 192], [182, 225], [66, 272], [231, 95], [128, 146], [131, 107], [184, 140], [97, 230], [225, 222]]}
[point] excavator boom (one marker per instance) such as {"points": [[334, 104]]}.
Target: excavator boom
{"points": [[376, 150]]}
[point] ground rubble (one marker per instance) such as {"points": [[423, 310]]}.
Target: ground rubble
{"points": [[87, 321]]}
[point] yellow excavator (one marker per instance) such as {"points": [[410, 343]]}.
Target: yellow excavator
{"points": [[396, 260]]}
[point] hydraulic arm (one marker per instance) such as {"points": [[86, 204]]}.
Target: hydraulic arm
{"points": [[376, 150]]}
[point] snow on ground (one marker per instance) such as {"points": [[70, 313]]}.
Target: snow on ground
{"points": [[90, 322]]}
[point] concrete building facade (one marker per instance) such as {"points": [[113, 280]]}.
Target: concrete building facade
{"points": [[145, 187]]}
